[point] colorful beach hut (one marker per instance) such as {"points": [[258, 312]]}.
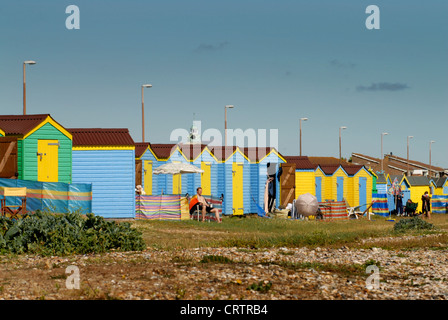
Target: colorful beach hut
{"points": [[234, 179], [299, 177], [263, 160], [415, 186], [360, 186], [145, 162], [35, 148], [106, 159], [440, 186]]}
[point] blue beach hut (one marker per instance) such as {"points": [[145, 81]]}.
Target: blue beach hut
{"points": [[106, 159]]}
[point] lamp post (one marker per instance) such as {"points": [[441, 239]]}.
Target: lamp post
{"points": [[143, 110], [407, 171], [300, 122], [430, 167], [225, 123], [382, 154], [31, 62], [340, 154]]}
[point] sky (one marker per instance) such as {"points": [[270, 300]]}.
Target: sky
{"points": [[275, 61]]}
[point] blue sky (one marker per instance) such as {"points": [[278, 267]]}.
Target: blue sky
{"points": [[276, 61]]}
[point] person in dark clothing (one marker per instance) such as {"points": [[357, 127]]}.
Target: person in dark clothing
{"points": [[399, 204], [426, 207]]}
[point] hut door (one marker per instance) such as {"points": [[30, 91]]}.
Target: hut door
{"points": [[205, 178], [8, 158], [47, 160], [287, 183], [147, 177], [362, 193], [237, 181], [340, 188], [138, 172], [319, 189]]}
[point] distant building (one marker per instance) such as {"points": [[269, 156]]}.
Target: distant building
{"points": [[394, 165]]}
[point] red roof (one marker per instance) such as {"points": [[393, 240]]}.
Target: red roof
{"points": [[329, 169], [301, 162], [21, 124], [140, 148], [163, 150], [101, 137], [352, 169]]}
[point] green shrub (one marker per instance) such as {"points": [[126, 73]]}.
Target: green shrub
{"points": [[415, 223], [62, 234]]}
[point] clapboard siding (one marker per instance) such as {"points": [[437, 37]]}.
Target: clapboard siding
{"points": [[305, 182], [28, 154], [112, 175]]}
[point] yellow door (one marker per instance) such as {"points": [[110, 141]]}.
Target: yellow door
{"points": [[47, 160], [177, 183], [147, 176], [205, 178], [237, 182]]}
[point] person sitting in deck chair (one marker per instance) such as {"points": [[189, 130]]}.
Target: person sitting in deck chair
{"points": [[204, 206]]}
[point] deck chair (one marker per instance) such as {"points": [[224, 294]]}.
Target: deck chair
{"points": [[354, 211], [13, 210], [410, 208]]}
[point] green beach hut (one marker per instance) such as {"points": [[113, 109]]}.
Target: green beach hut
{"points": [[36, 147]]}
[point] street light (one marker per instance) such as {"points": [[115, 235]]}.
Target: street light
{"points": [[143, 111], [382, 154], [31, 62], [304, 119], [430, 167], [407, 171], [225, 122], [340, 156]]}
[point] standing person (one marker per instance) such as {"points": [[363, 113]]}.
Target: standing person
{"points": [[399, 204], [204, 206], [426, 208]]}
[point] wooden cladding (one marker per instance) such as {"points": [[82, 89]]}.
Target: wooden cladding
{"points": [[8, 158], [287, 183]]}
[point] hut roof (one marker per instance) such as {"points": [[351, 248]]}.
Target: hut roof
{"points": [[440, 182], [301, 162], [101, 137], [21, 124], [418, 180], [326, 161], [140, 148], [163, 150]]}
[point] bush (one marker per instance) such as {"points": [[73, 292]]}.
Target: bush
{"points": [[414, 223], [63, 234]]}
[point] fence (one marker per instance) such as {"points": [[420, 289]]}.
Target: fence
{"points": [[161, 207], [336, 210], [380, 206], [439, 204], [56, 197]]}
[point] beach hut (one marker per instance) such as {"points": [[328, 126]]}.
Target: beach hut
{"points": [[360, 185], [334, 182], [35, 148], [440, 186], [234, 179], [106, 159], [145, 162], [201, 156], [414, 187], [263, 160], [299, 177]]}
